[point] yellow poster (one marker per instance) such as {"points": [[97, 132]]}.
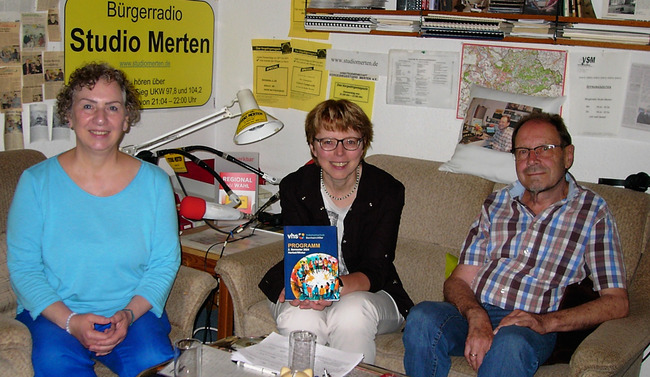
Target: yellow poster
{"points": [[272, 61], [297, 28], [361, 92], [166, 47], [309, 77]]}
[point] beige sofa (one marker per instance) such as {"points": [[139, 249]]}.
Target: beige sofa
{"points": [[439, 209], [189, 291]]}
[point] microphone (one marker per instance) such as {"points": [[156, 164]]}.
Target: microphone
{"points": [[195, 208]]}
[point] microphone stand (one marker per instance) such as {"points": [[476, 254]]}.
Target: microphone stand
{"points": [[153, 157], [226, 156]]}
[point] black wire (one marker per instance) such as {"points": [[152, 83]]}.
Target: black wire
{"points": [[198, 162], [180, 183], [225, 156]]}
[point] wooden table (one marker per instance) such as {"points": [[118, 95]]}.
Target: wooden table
{"points": [[206, 261], [196, 259]]}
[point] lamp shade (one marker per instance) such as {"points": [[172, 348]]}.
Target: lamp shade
{"points": [[254, 124]]}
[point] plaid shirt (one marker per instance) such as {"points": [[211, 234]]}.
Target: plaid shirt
{"points": [[527, 261], [502, 139]]}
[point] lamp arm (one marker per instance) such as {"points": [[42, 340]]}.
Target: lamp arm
{"points": [[235, 201], [183, 131], [272, 180]]}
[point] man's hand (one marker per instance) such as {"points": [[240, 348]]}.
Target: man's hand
{"points": [[479, 337], [521, 318], [479, 334]]}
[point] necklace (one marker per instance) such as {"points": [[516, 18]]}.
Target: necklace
{"points": [[339, 198]]}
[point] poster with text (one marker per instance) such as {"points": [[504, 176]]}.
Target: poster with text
{"points": [[166, 47]]}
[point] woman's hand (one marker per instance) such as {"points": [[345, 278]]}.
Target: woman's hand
{"points": [[82, 327], [305, 304], [313, 304], [120, 322]]}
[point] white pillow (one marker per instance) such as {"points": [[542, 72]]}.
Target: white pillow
{"points": [[487, 163], [483, 162]]}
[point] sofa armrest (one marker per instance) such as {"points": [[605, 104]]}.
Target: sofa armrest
{"points": [[15, 348], [615, 345], [241, 273], [191, 288]]}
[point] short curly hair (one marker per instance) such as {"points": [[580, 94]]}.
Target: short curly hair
{"points": [[338, 115], [86, 77]]}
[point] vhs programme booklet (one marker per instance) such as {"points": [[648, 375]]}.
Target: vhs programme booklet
{"points": [[311, 266]]}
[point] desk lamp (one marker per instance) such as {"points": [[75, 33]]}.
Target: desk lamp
{"points": [[254, 125]]}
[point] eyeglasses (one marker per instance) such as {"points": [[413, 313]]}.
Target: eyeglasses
{"points": [[349, 143], [542, 151]]}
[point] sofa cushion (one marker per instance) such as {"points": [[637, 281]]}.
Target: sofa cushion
{"points": [[7, 296], [13, 163], [421, 267], [631, 209], [439, 206], [258, 320]]}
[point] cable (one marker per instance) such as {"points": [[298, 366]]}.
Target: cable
{"points": [[154, 156], [232, 159]]}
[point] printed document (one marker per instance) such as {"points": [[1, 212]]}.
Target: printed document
{"points": [[273, 353], [422, 78], [597, 91]]}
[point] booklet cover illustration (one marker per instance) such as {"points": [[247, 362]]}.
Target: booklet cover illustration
{"points": [[311, 266]]}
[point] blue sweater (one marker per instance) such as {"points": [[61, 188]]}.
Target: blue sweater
{"points": [[93, 253]]}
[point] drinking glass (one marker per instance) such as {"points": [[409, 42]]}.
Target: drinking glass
{"points": [[187, 358], [302, 350]]}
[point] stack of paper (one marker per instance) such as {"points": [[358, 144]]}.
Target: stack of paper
{"points": [[532, 29], [273, 353], [404, 24], [605, 33]]}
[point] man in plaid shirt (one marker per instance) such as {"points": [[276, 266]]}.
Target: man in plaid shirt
{"points": [[531, 240], [502, 138]]}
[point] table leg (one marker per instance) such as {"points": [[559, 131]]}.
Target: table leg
{"points": [[226, 312]]}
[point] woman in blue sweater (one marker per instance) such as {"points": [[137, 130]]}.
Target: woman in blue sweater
{"points": [[93, 240]]}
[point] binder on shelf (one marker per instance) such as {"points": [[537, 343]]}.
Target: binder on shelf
{"points": [[340, 22], [459, 33], [432, 19], [451, 26]]}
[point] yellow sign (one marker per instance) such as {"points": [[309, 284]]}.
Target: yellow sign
{"points": [[166, 47], [271, 71], [177, 162], [309, 76], [361, 92], [297, 28], [251, 117]]}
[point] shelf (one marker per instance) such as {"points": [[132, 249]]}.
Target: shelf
{"points": [[559, 20]]}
